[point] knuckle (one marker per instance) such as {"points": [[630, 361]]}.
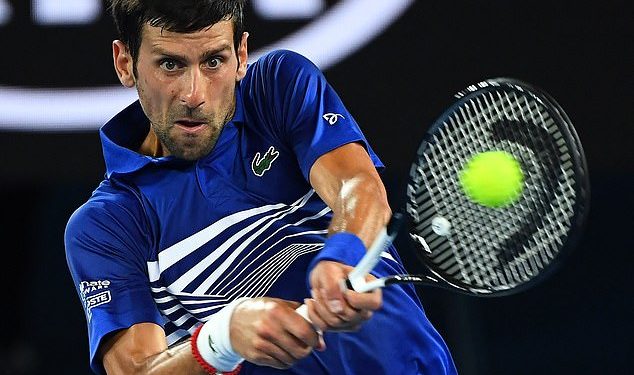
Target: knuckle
{"points": [[257, 357], [285, 360], [277, 311], [263, 330], [301, 334], [259, 345], [304, 352], [296, 353], [349, 314], [323, 326], [378, 302], [333, 321], [306, 332]]}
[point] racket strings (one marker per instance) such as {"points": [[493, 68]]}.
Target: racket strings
{"points": [[490, 116], [543, 169], [501, 255], [539, 166], [496, 248]]}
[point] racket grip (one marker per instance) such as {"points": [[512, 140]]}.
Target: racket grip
{"points": [[303, 311], [356, 278]]}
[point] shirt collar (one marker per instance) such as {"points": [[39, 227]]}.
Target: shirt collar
{"points": [[238, 115], [120, 136]]}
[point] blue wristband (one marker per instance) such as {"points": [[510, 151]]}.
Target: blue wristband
{"points": [[342, 247]]}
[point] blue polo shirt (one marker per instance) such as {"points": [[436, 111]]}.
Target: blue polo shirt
{"points": [[171, 242]]}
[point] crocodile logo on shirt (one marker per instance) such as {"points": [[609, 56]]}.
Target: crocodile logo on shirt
{"points": [[261, 164]]}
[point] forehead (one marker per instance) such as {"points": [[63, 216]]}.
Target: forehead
{"points": [[217, 35]]}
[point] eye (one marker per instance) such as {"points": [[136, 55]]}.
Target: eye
{"points": [[169, 65], [214, 62]]}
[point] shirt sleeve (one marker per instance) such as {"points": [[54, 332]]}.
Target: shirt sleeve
{"points": [[107, 244], [309, 114]]}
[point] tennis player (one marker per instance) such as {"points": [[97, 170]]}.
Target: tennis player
{"points": [[233, 194]]}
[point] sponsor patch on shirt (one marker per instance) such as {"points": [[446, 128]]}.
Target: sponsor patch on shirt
{"points": [[93, 294]]}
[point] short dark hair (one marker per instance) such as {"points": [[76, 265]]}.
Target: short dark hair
{"points": [[183, 16]]}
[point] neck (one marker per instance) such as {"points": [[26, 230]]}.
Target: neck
{"points": [[151, 145]]}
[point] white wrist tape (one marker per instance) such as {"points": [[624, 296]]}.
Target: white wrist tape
{"points": [[214, 343]]}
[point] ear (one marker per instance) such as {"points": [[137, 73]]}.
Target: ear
{"points": [[123, 63], [243, 56]]}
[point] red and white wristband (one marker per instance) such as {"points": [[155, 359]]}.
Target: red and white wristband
{"points": [[211, 344]]}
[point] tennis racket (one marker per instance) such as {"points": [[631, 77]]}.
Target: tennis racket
{"points": [[475, 249]]}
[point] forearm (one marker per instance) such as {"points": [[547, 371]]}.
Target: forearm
{"points": [[142, 348], [347, 181], [360, 207], [175, 360], [360, 210]]}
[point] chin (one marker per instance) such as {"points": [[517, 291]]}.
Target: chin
{"points": [[191, 153]]}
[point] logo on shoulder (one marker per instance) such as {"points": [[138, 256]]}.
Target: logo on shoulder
{"points": [[261, 164], [94, 293], [332, 118]]}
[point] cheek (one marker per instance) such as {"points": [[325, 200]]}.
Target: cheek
{"points": [[222, 89], [156, 97], [147, 97]]}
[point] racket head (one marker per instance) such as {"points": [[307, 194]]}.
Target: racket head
{"points": [[487, 251]]}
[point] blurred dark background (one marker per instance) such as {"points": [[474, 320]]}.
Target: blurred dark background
{"points": [[579, 321]]}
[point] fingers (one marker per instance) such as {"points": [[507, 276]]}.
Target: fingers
{"points": [[346, 318], [269, 332], [365, 301], [328, 287], [301, 334], [278, 350], [334, 309], [358, 308], [351, 322], [326, 290], [266, 353]]}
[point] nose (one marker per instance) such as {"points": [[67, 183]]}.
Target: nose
{"points": [[193, 94]]}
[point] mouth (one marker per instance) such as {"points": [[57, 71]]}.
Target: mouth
{"points": [[189, 125]]}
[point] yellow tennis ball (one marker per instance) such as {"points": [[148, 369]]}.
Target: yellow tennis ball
{"points": [[492, 179]]}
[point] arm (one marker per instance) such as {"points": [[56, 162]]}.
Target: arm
{"points": [[348, 182], [142, 349], [104, 242], [264, 331]]}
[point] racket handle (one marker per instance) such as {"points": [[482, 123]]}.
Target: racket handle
{"points": [[303, 311], [356, 278], [366, 286]]}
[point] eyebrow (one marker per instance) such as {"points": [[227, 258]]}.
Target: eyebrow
{"points": [[205, 56], [213, 52]]}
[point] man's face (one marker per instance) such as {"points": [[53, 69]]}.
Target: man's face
{"points": [[186, 85]]}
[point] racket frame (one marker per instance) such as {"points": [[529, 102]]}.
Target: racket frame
{"points": [[434, 276]]}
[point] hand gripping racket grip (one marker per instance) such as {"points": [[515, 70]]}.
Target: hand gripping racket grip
{"points": [[356, 278]]}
